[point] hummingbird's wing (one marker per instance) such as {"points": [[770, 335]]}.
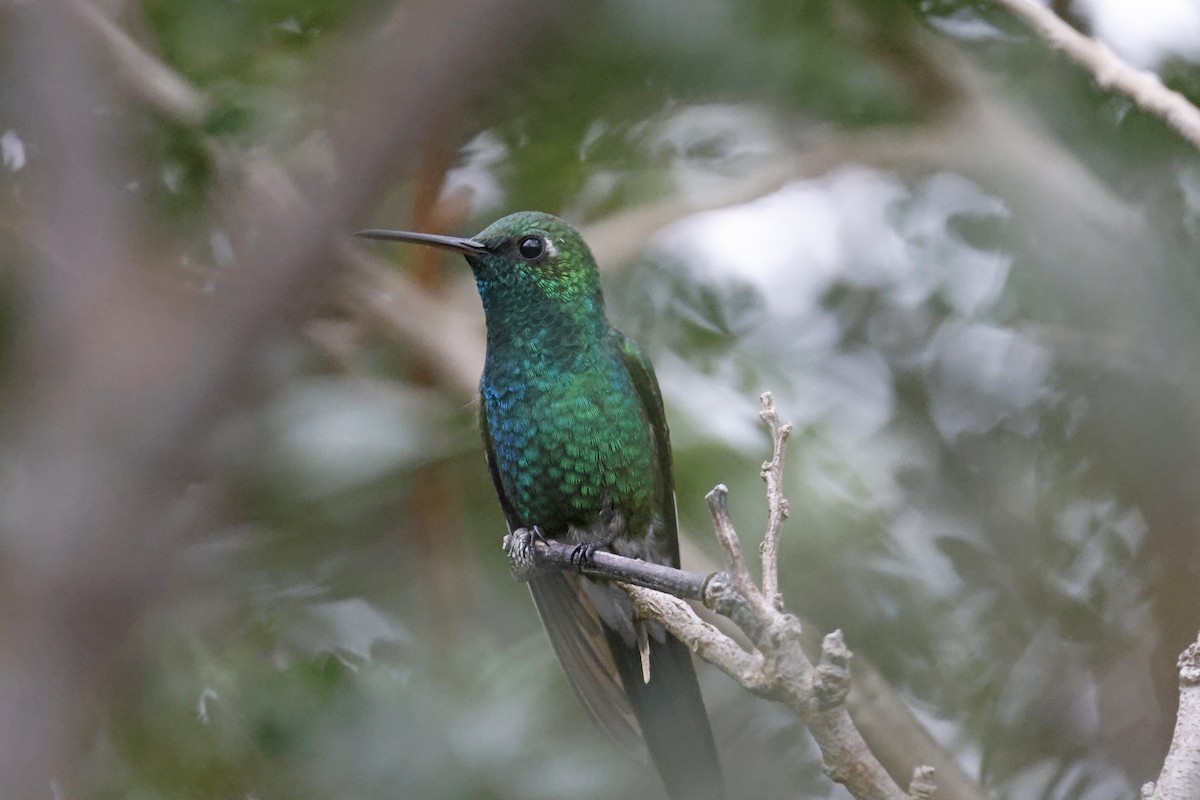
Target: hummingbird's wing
{"points": [[578, 639], [641, 374]]}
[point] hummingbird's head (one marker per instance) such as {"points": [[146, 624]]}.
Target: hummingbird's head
{"points": [[535, 255], [528, 262]]}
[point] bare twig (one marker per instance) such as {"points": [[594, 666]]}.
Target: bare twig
{"points": [[777, 505], [897, 738], [1108, 70], [1180, 777]]}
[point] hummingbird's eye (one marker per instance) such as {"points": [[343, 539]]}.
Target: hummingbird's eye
{"points": [[531, 247]]}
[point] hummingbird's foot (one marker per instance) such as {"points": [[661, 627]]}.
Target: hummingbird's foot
{"points": [[521, 546], [581, 556]]}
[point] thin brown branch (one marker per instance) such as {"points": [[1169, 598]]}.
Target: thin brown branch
{"points": [[787, 674], [777, 504], [734, 593], [1108, 70]]}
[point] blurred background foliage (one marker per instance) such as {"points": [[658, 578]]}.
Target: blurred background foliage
{"points": [[968, 276]]}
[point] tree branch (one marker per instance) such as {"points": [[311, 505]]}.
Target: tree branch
{"points": [[1108, 70], [156, 84]]}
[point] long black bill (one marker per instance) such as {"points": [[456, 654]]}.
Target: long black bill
{"points": [[466, 246]]}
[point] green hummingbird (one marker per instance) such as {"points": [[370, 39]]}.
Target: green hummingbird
{"points": [[577, 445]]}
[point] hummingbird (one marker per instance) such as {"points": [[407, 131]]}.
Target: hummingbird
{"points": [[578, 449]]}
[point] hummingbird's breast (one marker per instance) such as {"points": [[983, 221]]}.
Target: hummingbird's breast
{"points": [[570, 439]]}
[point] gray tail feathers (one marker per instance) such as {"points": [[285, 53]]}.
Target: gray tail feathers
{"points": [[671, 714]]}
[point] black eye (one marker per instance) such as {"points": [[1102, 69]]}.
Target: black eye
{"points": [[531, 247]]}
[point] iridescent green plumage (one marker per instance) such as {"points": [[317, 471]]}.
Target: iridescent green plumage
{"points": [[565, 441], [572, 416], [577, 445]]}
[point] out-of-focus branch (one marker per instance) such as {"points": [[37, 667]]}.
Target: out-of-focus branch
{"points": [[157, 85], [121, 384], [389, 300], [1180, 776], [1108, 70]]}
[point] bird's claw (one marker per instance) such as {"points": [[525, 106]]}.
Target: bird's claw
{"points": [[582, 556], [521, 546]]}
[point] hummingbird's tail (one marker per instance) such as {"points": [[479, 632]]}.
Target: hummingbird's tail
{"points": [[671, 714], [664, 718]]}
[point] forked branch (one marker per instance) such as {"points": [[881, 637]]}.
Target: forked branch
{"points": [[777, 667]]}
